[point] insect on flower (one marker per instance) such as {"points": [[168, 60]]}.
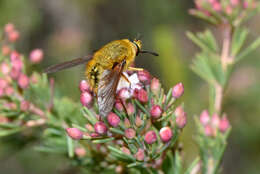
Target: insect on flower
{"points": [[105, 68]]}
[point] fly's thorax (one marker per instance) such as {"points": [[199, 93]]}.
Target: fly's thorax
{"points": [[115, 52], [93, 74]]}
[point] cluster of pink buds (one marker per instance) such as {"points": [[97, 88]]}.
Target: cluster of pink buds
{"points": [[143, 117], [214, 123], [222, 11], [13, 78]]}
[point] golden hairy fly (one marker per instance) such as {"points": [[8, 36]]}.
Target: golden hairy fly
{"points": [[105, 68]]}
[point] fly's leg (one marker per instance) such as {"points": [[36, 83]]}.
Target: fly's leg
{"points": [[122, 74]]}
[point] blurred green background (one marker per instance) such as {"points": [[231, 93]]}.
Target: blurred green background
{"points": [[65, 29]]}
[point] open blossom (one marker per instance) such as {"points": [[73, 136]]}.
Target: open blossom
{"points": [[36, 55]]}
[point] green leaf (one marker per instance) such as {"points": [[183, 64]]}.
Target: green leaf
{"points": [[70, 147], [10, 131], [105, 140], [201, 15], [238, 40], [192, 166], [168, 164], [120, 155], [248, 50]]}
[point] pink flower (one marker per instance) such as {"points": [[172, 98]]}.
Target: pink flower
{"points": [[130, 133], [14, 73], [138, 121], [150, 137], [3, 83], [5, 68], [181, 120], [140, 155], [142, 96], [36, 55], [6, 50], [208, 130], [9, 27], [144, 76], [100, 128], [119, 106], [9, 90], [130, 109], [80, 151], [177, 90], [74, 133], [23, 81], [216, 6], [155, 86], [126, 150], [156, 111], [86, 99], [204, 117], [234, 2], [166, 134], [13, 36], [224, 124], [124, 94], [84, 86], [113, 119], [215, 120]]}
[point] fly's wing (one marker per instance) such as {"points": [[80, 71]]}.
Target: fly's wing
{"points": [[68, 64], [107, 88]]}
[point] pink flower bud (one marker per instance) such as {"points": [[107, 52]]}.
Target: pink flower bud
{"points": [[177, 90], [36, 55], [6, 50], [126, 150], [100, 128], [208, 130], [144, 76], [224, 124], [216, 6], [86, 99], [13, 36], [130, 109], [130, 133], [9, 90], [127, 123], [181, 121], [80, 152], [25, 105], [150, 137], [84, 86], [245, 4], [234, 2], [229, 10], [23, 81], [9, 27], [74, 133], [155, 86], [124, 94], [17, 63], [179, 111], [113, 119], [138, 121], [14, 55], [204, 117], [94, 135], [15, 73], [89, 127], [215, 120], [5, 68], [3, 83], [166, 134], [142, 96], [156, 111], [119, 106], [140, 155]]}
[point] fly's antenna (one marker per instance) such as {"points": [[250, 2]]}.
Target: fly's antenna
{"points": [[149, 52]]}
